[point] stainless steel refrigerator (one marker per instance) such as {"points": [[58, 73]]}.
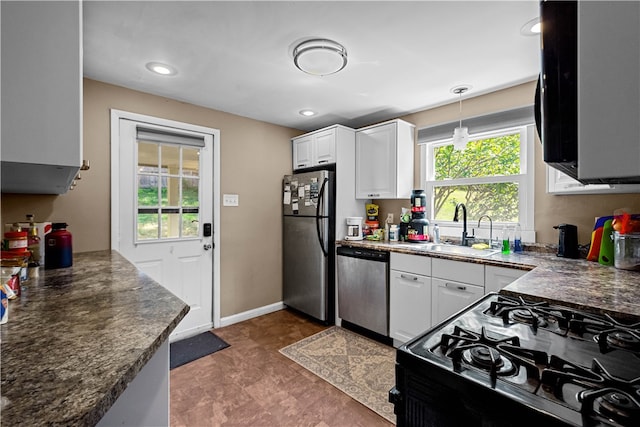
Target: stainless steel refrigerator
{"points": [[308, 243]]}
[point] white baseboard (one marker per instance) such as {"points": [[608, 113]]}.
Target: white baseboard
{"points": [[190, 332], [250, 314]]}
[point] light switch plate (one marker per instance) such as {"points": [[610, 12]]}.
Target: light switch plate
{"points": [[230, 200]]}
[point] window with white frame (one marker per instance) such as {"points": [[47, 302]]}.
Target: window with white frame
{"points": [[492, 175]]}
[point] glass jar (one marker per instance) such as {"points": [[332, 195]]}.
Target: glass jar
{"points": [[626, 251]]}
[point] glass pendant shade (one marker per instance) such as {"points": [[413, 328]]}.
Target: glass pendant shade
{"points": [[460, 138]]}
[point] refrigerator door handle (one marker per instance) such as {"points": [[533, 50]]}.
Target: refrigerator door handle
{"points": [[320, 207]]}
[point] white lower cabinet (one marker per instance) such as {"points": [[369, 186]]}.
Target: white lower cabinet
{"points": [[449, 297], [409, 296], [455, 285], [496, 278]]}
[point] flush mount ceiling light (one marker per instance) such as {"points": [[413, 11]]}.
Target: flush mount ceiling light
{"points": [[307, 113], [162, 69], [320, 57], [460, 134], [531, 28]]}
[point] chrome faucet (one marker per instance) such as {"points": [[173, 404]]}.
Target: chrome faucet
{"points": [[490, 228], [465, 238]]}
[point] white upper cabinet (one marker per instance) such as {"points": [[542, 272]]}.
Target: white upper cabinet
{"points": [[41, 96], [384, 160], [560, 183], [314, 149]]}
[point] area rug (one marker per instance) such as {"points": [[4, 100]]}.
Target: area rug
{"points": [[362, 368], [190, 349]]}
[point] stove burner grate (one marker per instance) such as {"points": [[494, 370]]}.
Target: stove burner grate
{"points": [[535, 314], [607, 332]]}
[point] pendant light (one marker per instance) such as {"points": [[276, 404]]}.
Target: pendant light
{"points": [[460, 134]]}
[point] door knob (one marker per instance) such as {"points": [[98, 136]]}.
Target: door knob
{"points": [[207, 246]]}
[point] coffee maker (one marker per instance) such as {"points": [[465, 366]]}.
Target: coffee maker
{"points": [[567, 241]]}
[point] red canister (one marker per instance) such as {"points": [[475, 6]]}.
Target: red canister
{"points": [[58, 251]]}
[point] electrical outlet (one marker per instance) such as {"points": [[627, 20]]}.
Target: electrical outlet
{"points": [[390, 218], [230, 200]]}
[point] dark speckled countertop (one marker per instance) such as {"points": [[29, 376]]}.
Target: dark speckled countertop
{"points": [[576, 283], [77, 337]]}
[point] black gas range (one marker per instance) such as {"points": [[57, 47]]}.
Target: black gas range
{"points": [[505, 361]]}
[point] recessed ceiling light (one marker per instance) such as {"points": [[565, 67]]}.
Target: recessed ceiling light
{"points": [[162, 69], [531, 28], [307, 113]]}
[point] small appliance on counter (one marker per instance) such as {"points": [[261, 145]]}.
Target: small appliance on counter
{"points": [[354, 228], [418, 228], [567, 241]]}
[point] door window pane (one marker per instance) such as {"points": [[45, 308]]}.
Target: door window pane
{"points": [[190, 225], [190, 162], [170, 226], [168, 191], [147, 226], [170, 159], [190, 188]]}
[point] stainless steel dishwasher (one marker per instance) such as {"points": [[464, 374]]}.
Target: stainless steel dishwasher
{"points": [[363, 288]]}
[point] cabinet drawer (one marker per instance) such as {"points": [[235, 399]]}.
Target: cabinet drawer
{"points": [[411, 263], [466, 272]]}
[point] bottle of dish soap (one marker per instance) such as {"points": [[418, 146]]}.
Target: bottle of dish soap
{"points": [[517, 239], [505, 240]]}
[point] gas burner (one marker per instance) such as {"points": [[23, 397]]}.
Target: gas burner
{"points": [[488, 359], [623, 339], [607, 332], [535, 314], [618, 405]]}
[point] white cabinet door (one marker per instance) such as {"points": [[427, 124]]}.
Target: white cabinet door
{"points": [[41, 96], [325, 147], [449, 297], [496, 278], [409, 305], [303, 152], [376, 162], [384, 160]]}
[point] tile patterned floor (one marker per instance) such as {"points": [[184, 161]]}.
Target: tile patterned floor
{"points": [[251, 384]]}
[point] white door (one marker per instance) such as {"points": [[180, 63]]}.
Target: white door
{"points": [[165, 212]]}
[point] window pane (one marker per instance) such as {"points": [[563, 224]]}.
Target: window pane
{"points": [[170, 226], [190, 192], [499, 156], [190, 161], [147, 190], [147, 226], [170, 191], [147, 157], [170, 159], [498, 200], [190, 225]]}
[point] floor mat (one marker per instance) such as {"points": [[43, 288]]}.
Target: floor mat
{"points": [[362, 368], [190, 349]]}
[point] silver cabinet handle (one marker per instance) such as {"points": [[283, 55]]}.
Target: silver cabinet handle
{"points": [[455, 285], [408, 277], [374, 195], [301, 165], [322, 161]]}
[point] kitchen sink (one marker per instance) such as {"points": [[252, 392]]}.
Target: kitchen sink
{"points": [[461, 250]]}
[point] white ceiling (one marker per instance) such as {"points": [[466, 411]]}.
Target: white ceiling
{"points": [[236, 56]]}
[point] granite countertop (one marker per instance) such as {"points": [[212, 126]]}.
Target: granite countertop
{"points": [[77, 337], [577, 283]]}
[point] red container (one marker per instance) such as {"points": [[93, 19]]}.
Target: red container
{"points": [[58, 251]]}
